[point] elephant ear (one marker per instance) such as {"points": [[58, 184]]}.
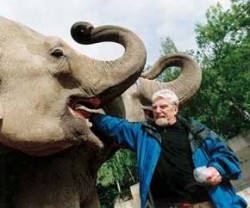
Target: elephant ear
{"points": [[3, 149], [1, 116], [1, 112]]}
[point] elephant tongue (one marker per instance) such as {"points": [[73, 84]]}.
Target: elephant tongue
{"points": [[92, 102]]}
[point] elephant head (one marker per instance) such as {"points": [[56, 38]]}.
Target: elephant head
{"points": [[44, 81]]}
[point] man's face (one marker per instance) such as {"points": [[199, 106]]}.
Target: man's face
{"points": [[164, 112]]}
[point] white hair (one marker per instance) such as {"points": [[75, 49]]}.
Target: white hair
{"points": [[166, 94]]}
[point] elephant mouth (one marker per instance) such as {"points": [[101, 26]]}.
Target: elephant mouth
{"points": [[82, 107], [79, 126]]}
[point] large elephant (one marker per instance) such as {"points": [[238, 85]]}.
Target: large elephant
{"points": [[43, 81], [49, 157]]}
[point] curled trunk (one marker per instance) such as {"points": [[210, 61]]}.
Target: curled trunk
{"points": [[185, 86], [114, 77]]}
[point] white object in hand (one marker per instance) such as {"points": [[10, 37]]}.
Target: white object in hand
{"points": [[201, 174]]}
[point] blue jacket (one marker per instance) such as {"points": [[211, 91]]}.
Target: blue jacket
{"points": [[144, 139]]}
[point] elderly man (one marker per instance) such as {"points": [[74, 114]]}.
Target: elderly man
{"points": [[168, 150]]}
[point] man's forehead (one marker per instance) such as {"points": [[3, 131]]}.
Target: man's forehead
{"points": [[161, 100]]}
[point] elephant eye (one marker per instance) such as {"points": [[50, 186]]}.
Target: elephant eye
{"points": [[57, 53]]}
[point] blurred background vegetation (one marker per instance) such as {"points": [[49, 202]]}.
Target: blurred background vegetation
{"points": [[223, 101]]}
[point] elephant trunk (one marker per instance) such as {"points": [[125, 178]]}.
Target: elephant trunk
{"points": [[185, 86], [109, 79]]}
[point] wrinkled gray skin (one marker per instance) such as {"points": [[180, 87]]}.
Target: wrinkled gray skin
{"points": [[49, 156], [43, 81]]}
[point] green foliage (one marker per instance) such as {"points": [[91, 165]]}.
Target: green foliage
{"points": [[120, 168], [120, 172], [224, 27], [224, 43], [107, 195]]}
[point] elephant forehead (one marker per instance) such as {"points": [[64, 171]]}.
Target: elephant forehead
{"points": [[10, 30]]}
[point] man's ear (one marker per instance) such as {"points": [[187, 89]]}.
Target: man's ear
{"points": [[176, 109]]}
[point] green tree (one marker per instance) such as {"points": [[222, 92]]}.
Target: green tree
{"points": [[224, 42], [120, 172]]}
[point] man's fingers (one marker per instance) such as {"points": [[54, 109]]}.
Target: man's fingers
{"points": [[214, 180]]}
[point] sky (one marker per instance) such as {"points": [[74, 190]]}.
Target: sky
{"points": [[151, 20]]}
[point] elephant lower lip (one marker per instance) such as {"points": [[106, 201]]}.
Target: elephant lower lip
{"points": [[79, 113]]}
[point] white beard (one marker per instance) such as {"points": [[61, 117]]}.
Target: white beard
{"points": [[162, 122]]}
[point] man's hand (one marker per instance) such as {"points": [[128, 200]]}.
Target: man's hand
{"points": [[214, 177]]}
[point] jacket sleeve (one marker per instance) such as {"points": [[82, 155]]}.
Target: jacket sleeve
{"points": [[221, 156], [124, 132]]}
